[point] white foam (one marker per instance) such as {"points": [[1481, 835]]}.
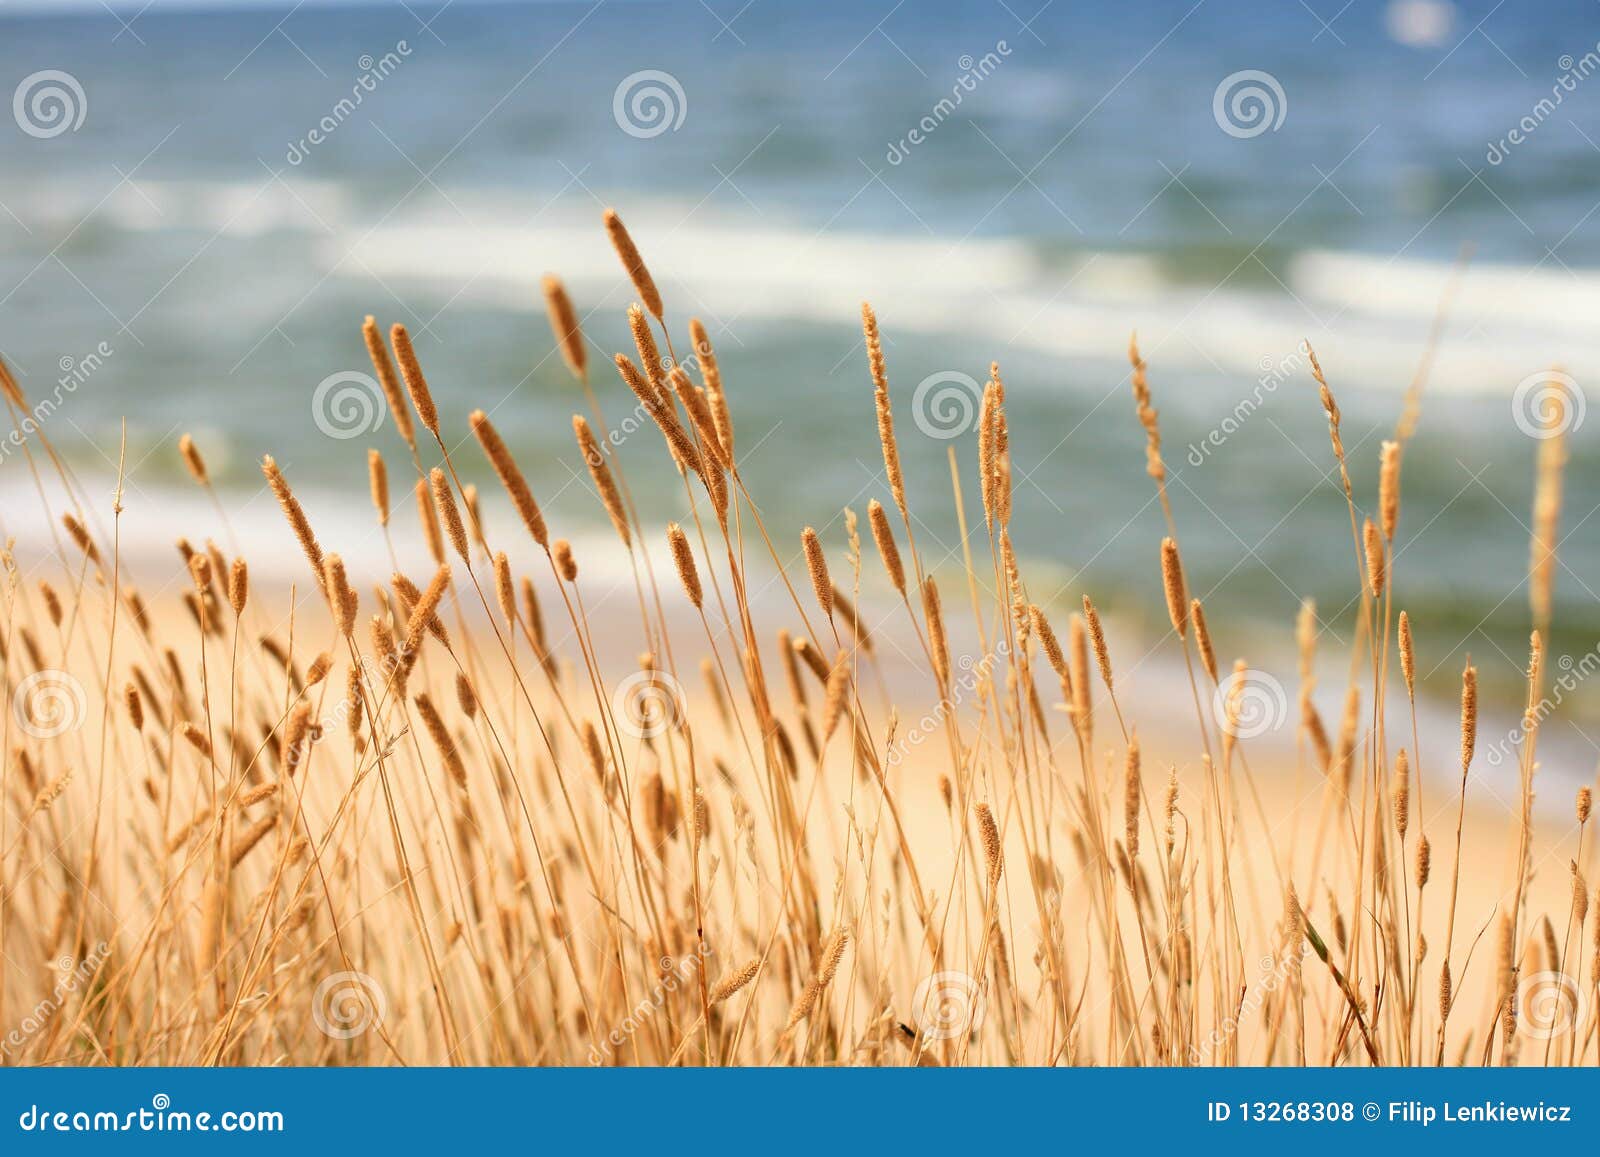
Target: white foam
{"points": [[286, 202], [1367, 317]]}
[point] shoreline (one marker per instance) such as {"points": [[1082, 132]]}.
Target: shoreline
{"points": [[150, 530]]}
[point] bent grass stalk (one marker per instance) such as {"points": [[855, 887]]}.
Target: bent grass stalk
{"points": [[370, 808]]}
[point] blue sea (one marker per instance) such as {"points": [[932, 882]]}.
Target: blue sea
{"points": [[199, 205]]}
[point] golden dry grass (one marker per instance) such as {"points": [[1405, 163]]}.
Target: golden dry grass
{"points": [[432, 823]]}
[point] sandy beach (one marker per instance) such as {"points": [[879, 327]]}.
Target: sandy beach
{"points": [[471, 867]]}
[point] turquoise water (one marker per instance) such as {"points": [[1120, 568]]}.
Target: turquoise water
{"points": [[198, 252]]}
